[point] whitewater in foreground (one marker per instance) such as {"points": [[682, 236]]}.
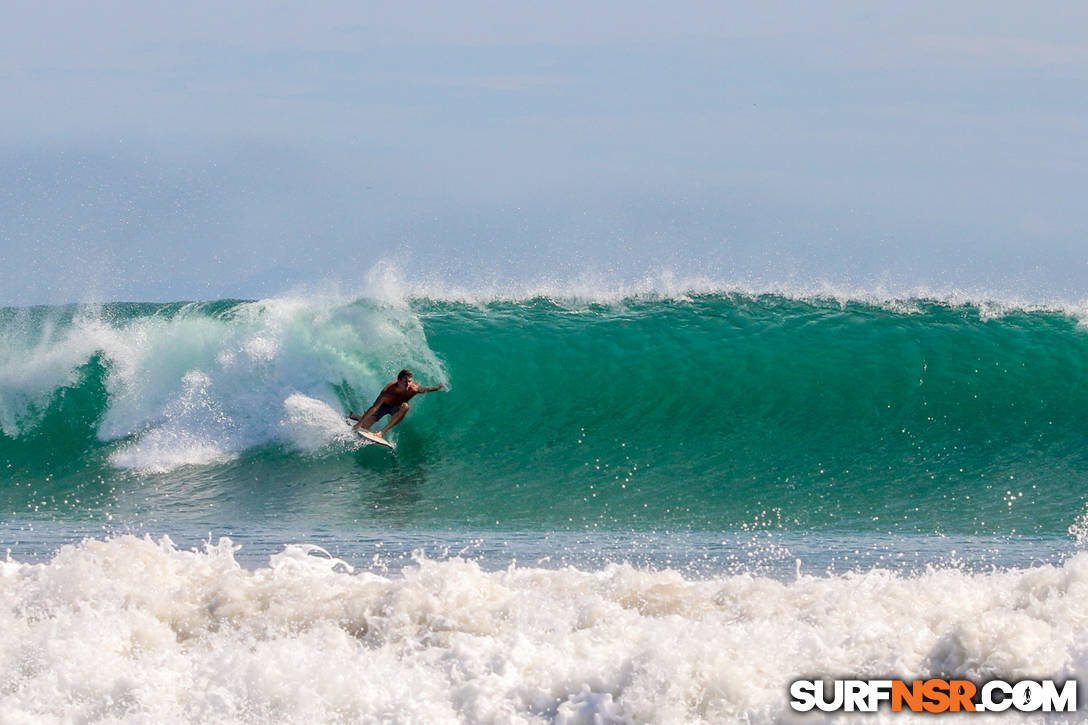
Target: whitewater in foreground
{"points": [[135, 630]]}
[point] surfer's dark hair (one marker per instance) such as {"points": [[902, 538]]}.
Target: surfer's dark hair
{"points": [[404, 374]]}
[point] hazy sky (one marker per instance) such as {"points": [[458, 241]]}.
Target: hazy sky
{"points": [[157, 150]]}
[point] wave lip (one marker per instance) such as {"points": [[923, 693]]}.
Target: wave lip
{"points": [[666, 285]]}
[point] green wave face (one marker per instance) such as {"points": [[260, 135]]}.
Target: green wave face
{"points": [[718, 412]]}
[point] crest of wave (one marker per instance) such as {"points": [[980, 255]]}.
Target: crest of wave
{"points": [[596, 287]]}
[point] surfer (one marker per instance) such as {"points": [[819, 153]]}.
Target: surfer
{"points": [[392, 401]]}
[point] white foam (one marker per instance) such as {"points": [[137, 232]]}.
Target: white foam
{"points": [[193, 388], [129, 630], [311, 424]]}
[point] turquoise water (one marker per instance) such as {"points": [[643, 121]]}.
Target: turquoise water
{"points": [[634, 509], [704, 413]]}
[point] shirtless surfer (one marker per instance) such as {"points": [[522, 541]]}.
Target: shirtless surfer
{"points": [[392, 401]]}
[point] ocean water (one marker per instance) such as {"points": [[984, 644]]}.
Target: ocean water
{"points": [[633, 506]]}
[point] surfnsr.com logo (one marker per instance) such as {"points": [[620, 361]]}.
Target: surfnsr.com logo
{"points": [[934, 695]]}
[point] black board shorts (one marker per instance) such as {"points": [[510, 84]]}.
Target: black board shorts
{"points": [[386, 409]]}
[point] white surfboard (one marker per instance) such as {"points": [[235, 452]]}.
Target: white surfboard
{"points": [[374, 438]]}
